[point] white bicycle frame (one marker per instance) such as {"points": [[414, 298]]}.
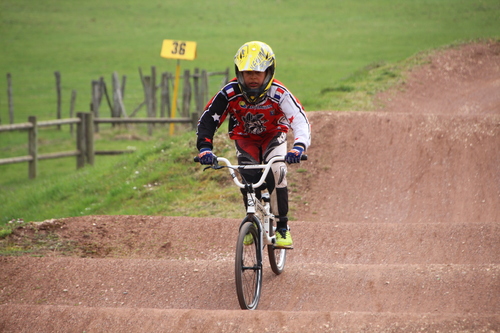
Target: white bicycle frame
{"points": [[252, 202]]}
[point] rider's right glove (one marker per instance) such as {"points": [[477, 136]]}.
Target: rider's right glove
{"points": [[206, 156], [294, 155]]}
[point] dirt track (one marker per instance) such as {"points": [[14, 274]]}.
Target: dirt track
{"points": [[396, 229]]}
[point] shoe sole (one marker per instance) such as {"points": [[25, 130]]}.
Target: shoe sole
{"points": [[286, 247]]}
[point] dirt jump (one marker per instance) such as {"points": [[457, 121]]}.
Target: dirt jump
{"points": [[395, 219]]}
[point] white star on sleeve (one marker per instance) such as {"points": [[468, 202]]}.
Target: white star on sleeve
{"points": [[216, 117]]}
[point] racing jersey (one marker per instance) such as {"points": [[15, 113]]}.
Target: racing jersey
{"points": [[277, 112]]}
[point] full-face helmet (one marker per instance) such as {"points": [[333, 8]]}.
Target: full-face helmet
{"points": [[255, 56]]}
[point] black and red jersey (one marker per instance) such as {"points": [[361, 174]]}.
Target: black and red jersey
{"points": [[277, 112]]}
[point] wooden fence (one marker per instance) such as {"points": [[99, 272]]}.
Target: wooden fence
{"points": [[84, 152], [194, 89]]}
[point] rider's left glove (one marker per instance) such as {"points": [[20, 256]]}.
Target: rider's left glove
{"points": [[294, 155], [206, 156]]}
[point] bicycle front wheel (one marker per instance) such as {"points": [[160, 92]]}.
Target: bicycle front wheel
{"points": [[248, 267]]}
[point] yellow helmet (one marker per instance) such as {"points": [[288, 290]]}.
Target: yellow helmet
{"points": [[255, 56]]}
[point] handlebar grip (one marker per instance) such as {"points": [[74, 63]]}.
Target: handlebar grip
{"points": [[196, 159], [303, 157]]}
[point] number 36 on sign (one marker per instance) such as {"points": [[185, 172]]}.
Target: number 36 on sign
{"points": [[178, 49]]}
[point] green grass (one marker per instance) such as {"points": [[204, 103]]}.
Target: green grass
{"points": [[333, 55], [317, 43], [158, 180]]}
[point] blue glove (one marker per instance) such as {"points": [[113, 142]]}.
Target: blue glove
{"points": [[293, 156], [206, 156]]}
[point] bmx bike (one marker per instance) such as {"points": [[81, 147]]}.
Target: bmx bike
{"points": [[256, 231]]}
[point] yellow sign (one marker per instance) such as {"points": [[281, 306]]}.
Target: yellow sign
{"points": [[178, 49]]}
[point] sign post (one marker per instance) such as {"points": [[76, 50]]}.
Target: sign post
{"points": [[180, 50]]}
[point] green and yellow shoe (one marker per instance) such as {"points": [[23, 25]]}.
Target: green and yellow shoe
{"points": [[248, 240], [283, 239]]}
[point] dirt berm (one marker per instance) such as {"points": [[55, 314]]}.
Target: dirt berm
{"points": [[396, 229]]}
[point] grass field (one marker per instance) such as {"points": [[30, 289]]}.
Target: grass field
{"points": [[333, 55], [317, 42]]}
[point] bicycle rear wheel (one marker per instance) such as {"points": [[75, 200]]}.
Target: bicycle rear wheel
{"points": [[277, 257], [248, 267]]}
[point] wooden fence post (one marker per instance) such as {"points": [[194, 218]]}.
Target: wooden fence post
{"points": [[118, 106], [80, 140], [33, 147], [104, 90], [72, 108], [124, 82], [149, 86], [148, 96], [123, 112], [11, 98], [153, 91], [165, 95], [96, 99], [58, 89], [89, 138], [186, 96], [146, 81], [115, 111]]}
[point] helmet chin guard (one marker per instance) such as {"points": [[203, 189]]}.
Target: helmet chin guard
{"points": [[255, 56]]}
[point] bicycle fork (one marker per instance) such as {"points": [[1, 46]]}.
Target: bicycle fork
{"points": [[268, 220]]}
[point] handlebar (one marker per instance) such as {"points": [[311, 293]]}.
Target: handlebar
{"points": [[196, 159], [265, 167]]}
